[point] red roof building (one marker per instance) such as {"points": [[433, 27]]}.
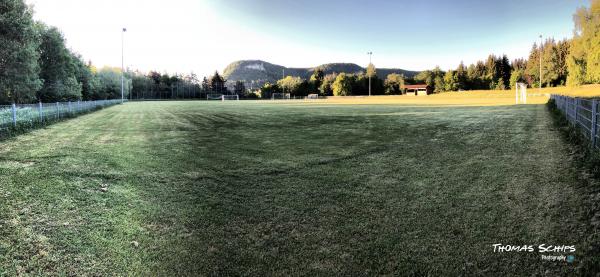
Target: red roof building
{"points": [[419, 89]]}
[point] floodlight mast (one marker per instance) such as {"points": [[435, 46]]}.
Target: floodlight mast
{"points": [[370, 54], [123, 65]]}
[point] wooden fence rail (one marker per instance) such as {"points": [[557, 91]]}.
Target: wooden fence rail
{"points": [[582, 114]]}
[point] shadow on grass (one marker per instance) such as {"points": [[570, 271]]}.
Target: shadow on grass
{"points": [[286, 190]]}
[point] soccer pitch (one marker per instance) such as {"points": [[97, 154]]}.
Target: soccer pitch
{"points": [[255, 188]]}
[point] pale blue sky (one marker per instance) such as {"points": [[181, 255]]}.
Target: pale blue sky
{"points": [[201, 36]]}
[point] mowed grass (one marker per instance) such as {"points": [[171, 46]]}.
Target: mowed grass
{"points": [[465, 98], [253, 188]]}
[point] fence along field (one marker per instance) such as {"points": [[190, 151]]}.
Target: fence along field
{"points": [[582, 114], [29, 115]]}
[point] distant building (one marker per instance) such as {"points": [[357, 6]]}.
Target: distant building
{"points": [[421, 89]]}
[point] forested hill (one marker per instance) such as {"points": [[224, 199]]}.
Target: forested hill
{"points": [[261, 71]]}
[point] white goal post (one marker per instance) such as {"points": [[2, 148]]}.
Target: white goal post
{"points": [[280, 96], [521, 93], [214, 96], [230, 97]]}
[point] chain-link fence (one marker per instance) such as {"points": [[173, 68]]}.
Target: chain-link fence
{"points": [[29, 115]]}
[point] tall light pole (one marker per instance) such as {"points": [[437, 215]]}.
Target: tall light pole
{"points": [[122, 65], [370, 54], [541, 53]]}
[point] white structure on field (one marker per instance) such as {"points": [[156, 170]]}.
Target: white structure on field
{"points": [[230, 97], [280, 96], [521, 93], [214, 96]]}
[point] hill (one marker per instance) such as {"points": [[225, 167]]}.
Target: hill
{"points": [[261, 71]]}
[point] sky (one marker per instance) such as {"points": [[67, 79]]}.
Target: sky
{"points": [[181, 36]]}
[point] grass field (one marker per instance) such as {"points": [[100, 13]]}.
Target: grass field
{"points": [[211, 188], [463, 99]]}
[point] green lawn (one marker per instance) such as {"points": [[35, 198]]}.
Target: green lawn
{"points": [[197, 188]]}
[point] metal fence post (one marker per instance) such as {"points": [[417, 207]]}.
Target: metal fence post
{"points": [[14, 114], [69, 107], [575, 113], [57, 110], [594, 122], [41, 110]]}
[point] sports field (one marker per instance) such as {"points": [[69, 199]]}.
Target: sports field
{"points": [[255, 188]]}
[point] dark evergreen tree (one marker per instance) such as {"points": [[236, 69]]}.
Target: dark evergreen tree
{"points": [[216, 83]]}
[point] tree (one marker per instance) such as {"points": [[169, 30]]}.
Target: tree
{"points": [[461, 76], [440, 85], [342, 85], [563, 50], [500, 85], [239, 88], [290, 84], [584, 58], [18, 53], [450, 82], [110, 84], [205, 85], [394, 84], [216, 83], [164, 86], [316, 79], [192, 85], [504, 71], [519, 63], [533, 66], [325, 88], [360, 84], [492, 73], [472, 77], [304, 88], [58, 67], [481, 81], [426, 77], [141, 85], [371, 70], [517, 76], [86, 77], [268, 89], [554, 63]]}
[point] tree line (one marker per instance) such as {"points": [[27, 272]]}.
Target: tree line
{"points": [[498, 73], [155, 85], [36, 65], [495, 73]]}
